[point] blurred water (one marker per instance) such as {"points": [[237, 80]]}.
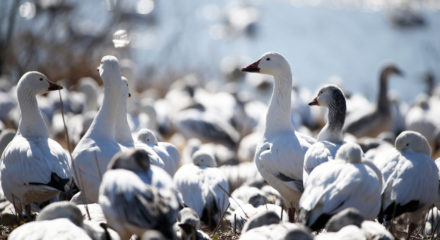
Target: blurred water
{"points": [[320, 41]]}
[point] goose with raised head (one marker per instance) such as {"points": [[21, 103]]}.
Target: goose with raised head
{"points": [[34, 168], [204, 188], [122, 132], [378, 119], [280, 154], [330, 137], [410, 179], [342, 183], [97, 147], [136, 196]]}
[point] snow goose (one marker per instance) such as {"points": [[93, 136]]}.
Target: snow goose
{"points": [[122, 132], [34, 168], [72, 212], [378, 119], [330, 137], [136, 196], [410, 179], [188, 224], [97, 147], [280, 154], [279, 231], [339, 184], [167, 152], [203, 188]]}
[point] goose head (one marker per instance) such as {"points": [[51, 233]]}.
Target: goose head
{"points": [[350, 152], [136, 160], [412, 141], [271, 63], [391, 69], [204, 159], [147, 136], [36, 83], [329, 95], [109, 70]]}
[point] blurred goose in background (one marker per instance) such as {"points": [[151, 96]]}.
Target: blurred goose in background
{"points": [[379, 119], [204, 188], [282, 230], [167, 152], [70, 211], [6, 137], [342, 183], [280, 154], [122, 130], [188, 225], [34, 168], [330, 137], [136, 196], [97, 147], [410, 179]]}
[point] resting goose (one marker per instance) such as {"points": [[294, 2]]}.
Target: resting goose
{"points": [[136, 196], [336, 185], [410, 179], [169, 156], [203, 187], [34, 168], [379, 119], [330, 137], [280, 153], [97, 147]]}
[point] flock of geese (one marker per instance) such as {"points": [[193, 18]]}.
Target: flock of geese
{"points": [[225, 161]]}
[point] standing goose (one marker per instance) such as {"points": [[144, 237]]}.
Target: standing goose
{"points": [[379, 119], [97, 147], [410, 179], [123, 133], [280, 154], [342, 183], [34, 168], [330, 137]]}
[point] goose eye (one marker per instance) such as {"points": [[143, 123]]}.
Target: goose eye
{"points": [[268, 59], [41, 79], [407, 144]]}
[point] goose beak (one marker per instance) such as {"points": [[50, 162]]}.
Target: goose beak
{"points": [[129, 95], [53, 86], [399, 72], [252, 68], [314, 102]]}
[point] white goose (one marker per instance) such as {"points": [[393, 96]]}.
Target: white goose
{"points": [[136, 196], [339, 184], [378, 119], [34, 168], [97, 147], [410, 179], [167, 152], [203, 188], [122, 132], [280, 154], [330, 137]]}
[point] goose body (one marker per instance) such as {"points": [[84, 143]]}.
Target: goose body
{"points": [[34, 168], [203, 187], [97, 147], [373, 121], [330, 137], [136, 196], [280, 153], [339, 184], [410, 178]]}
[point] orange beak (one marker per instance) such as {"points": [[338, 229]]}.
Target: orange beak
{"points": [[314, 102], [252, 68]]}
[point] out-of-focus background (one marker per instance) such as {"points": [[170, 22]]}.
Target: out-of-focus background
{"points": [[343, 41]]}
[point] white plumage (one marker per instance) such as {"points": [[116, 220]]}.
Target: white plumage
{"points": [[97, 147], [204, 188], [339, 184], [280, 154], [34, 168]]}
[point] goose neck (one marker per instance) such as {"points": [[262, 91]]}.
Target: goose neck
{"points": [[278, 113], [123, 132], [382, 99], [332, 131], [31, 122], [105, 121]]}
